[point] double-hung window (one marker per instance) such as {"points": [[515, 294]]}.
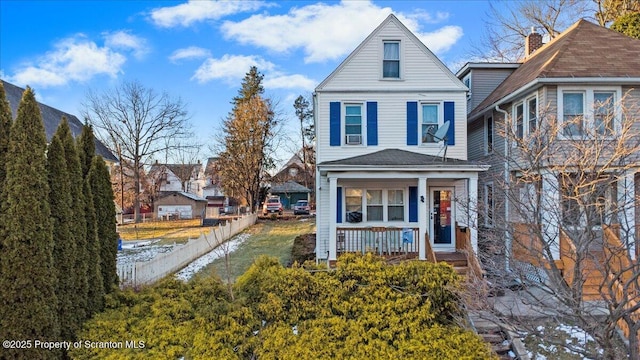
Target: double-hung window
{"points": [[353, 200], [488, 204], [590, 111], [395, 208], [391, 60], [519, 116], [603, 114], [431, 121], [353, 124], [532, 115], [525, 114], [489, 135], [573, 113], [374, 205]]}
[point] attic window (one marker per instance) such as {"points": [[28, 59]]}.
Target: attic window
{"points": [[391, 60]]}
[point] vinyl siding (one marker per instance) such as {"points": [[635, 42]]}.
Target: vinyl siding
{"points": [[483, 82], [392, 124], [417, 67]]}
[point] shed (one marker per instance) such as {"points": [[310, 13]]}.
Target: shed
{"points": [[290, 192], [179, 204]]}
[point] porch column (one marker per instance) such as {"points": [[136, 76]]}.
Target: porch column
{"points": [[333, 206], [423, 200], [551, 212], [626, 211], [472, 212]]}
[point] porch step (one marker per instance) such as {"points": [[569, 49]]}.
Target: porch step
{"points": [[455, 259]]}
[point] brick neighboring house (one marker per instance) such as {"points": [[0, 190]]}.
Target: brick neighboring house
{"points": [[583, 73]]}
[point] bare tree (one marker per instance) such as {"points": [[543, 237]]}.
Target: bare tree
{"points": [[138, 121], [570, 230], [508, 23]]}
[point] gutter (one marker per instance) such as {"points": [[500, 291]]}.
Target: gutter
{"points": [[507, 235]]}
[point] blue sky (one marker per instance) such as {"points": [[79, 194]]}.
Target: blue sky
{"points": [[200, 50]]}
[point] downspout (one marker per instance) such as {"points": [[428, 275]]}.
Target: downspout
{"points": [[507, 235]]}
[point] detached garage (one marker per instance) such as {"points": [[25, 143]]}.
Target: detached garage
{"points": [[180, 205]]}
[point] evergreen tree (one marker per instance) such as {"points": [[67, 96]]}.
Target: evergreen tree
{"points": [[106, 226], [79, 228], [28, 301], [95, 295], [5, 126], [628, 24], [64, 248], [87, 148]]}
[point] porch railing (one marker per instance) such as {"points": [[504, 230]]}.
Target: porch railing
{"points": [[379, 240]]}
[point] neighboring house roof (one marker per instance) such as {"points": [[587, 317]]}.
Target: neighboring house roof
{"points": [[178, 169], [52, 117], [289, 187], [396, 157], [210, 169], [584, 50], [410, 35], [185, 194]]}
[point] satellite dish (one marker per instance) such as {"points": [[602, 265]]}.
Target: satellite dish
{"points": [[441, 135], [442, 131]]}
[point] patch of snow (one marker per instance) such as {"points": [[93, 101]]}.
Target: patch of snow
{"points": [[139, 251], [581, 337], [206, 259]]}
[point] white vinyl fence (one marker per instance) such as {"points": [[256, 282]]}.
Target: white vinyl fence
{"points": [[148, 272]]}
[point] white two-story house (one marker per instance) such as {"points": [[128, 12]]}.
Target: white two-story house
{"points": [[388, 174]]}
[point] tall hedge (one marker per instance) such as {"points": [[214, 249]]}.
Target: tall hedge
{"points": [[79, 228], [64, 247], [28, 301], [106, 226], [5, 126]]}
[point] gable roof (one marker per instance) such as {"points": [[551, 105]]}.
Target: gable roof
{"points": [[289, 187], [52, 117], [190, 196], [392, 19], [177, 169], [396, 157], [584, 50]]}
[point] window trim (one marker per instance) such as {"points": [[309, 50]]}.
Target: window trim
{"points": [[363, 122], [400, 57], [385, 204], [526, 130], [440, 105], [488, 150], [589, 107], [489, 221]]}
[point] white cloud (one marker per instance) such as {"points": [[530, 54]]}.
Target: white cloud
{"points": [[191, 52], [125, 41], [230, 68], [442, 39], [295, 81], [330, 31], [200, 10], [73, 59]]}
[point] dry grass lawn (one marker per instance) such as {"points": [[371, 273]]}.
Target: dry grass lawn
{"points": [[169, 231]]}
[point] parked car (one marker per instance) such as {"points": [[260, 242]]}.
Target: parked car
{"points": [[301, 207], [272, 205]]}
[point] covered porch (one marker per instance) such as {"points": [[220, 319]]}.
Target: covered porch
{"points": [[393, 202]]}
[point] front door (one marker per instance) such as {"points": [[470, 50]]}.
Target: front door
{"points": [[441, 215]]}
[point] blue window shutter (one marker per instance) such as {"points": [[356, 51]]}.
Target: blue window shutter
{"points": [[449, 115], [413, 204], [412, 123], [372, 123], [339, 204], [334, 124]]}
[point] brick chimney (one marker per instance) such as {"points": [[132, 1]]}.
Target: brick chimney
{"points": [[532, 42]]}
